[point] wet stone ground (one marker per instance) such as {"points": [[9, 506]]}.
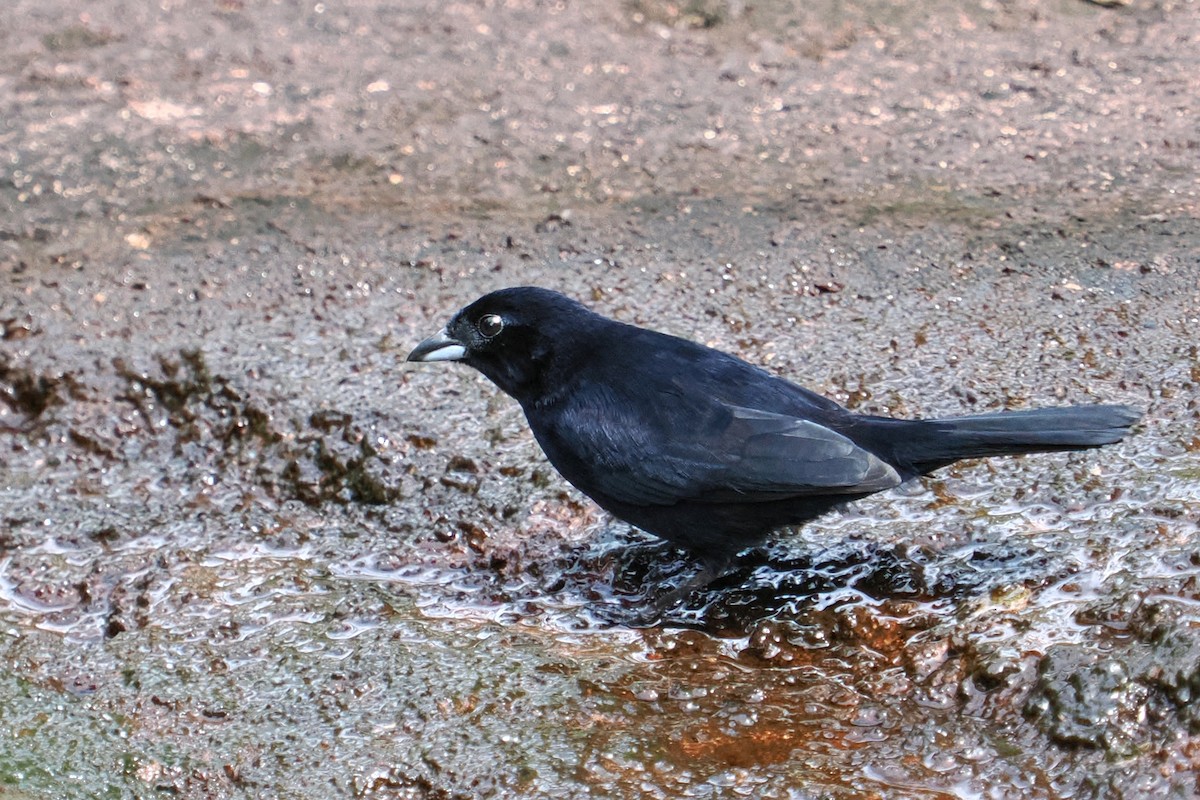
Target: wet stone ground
{"points": [[247, 551]]}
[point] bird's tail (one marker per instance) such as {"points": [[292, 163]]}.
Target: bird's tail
{"points": [[942, 441]]}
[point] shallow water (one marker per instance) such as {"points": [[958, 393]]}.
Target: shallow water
{"points": [[195, 654]]}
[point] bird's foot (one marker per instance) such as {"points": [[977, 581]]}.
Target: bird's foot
{"points": [[710, 571]]}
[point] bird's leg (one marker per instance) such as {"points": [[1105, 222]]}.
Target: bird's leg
{"points": [[711, 568]]}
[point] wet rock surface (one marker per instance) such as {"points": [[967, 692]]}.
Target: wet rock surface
{"points": [[246, 551]]}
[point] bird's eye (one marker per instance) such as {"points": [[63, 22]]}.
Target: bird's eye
{"points": [[490, 325]]}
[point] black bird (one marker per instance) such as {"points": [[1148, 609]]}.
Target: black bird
{"points": [[699, 447]]}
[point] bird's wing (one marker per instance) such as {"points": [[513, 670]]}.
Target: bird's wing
{"points": [[781, 454], [713, 452]]}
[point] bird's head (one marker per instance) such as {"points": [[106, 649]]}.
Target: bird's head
{"points": [[512, 336]]}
